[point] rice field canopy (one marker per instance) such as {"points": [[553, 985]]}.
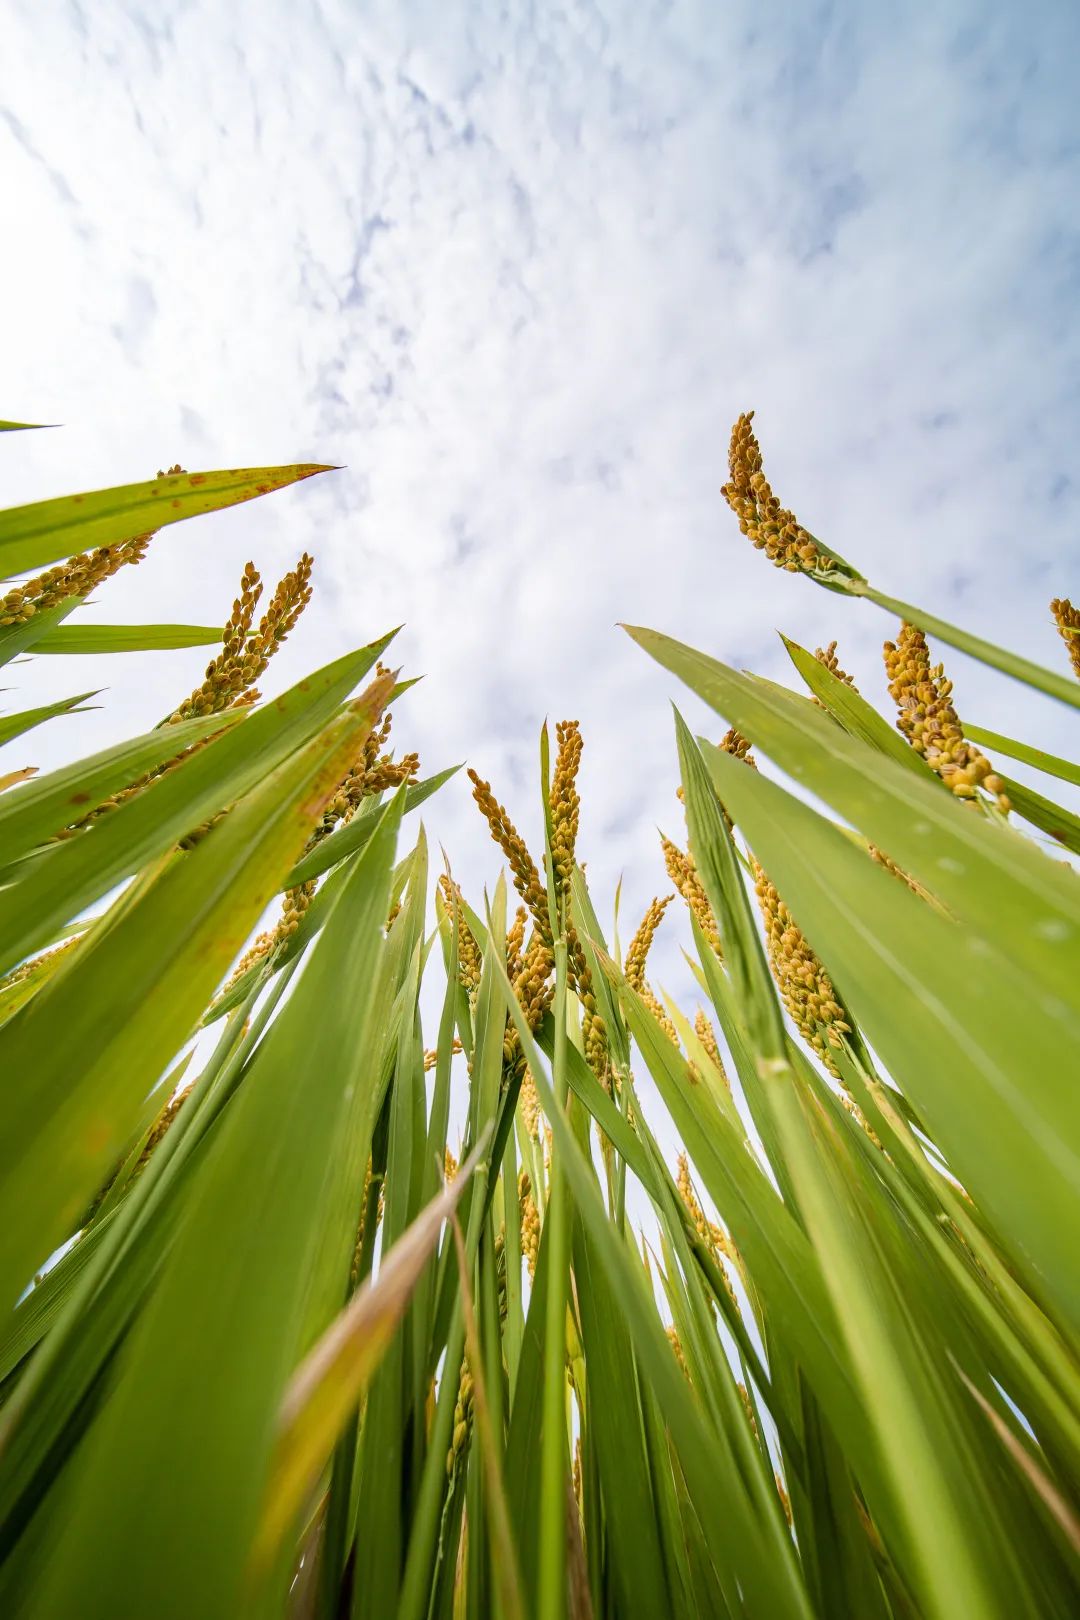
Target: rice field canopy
{"points": [[581, 1297]]}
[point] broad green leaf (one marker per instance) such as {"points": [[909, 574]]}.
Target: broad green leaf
{"points": [[983, 873], [17, 638], [13, 725], [48, 804], [752, 1580], [33, 536], [120, 638], [89, 1047], [1043, 813], [355, 834], [203, 1375], [329, 1382], [149, 824], [951, 1015]]}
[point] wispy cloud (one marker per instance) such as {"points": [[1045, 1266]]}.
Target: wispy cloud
{"points": [[518, 269]]}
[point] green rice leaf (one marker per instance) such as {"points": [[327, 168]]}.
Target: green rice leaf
{"points": [[120, 638], [13, 725], [33, 536], [93, 1041]]}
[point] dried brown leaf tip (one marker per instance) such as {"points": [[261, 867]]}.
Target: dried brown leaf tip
{"points": [[523, 868], [769, 526], [927, 718], [1067, 619], [683, 874], [805, 987], [77, 577]]}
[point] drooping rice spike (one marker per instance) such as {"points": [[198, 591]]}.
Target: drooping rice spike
{"points": [[768, 526], [77, 577]]}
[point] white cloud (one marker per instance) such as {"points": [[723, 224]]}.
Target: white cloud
{"points": [[518, 269]]}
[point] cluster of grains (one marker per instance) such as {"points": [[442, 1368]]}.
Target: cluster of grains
{"points": [[676, 1345], [827, 656], [523, 868], [245, 653], [767, 525], [713, 1236], [35, 963], [515, 943], [565, 804], [537, 963], [374, 772], [805, 987], [860, 1118], [636, 958], [707, 1036], [927, 718], [77, 577], [734, 743], [294, 905], [358, 1246], [683, 874], [469, 958], [1067, 619], [530, 1222], [431, 1057], [748, 1408], [529, 1103], [463, 1411], [161, 1125]]}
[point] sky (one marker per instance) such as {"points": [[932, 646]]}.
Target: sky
{"points": [[516, 268]]}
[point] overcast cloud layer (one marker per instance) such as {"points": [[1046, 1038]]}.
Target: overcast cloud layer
{"points": [[517, 268]]}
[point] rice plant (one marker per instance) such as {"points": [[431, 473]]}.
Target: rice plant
{"points": [[269, 1349]]}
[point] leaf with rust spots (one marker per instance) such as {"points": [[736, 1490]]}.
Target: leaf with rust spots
{"points": [[33, 536]]}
